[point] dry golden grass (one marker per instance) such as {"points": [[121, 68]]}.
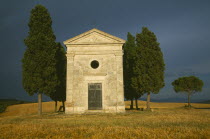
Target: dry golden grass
{"points": [[154, 105], [31, 108], [27, 109], [167, 120]]}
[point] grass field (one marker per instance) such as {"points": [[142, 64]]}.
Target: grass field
{"points": [[167, 120], [4, 103]]}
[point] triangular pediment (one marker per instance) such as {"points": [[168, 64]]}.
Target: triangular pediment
{"points": [[94, 36]]}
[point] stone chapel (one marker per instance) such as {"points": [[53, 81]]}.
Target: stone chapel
{"points": [[94, 73]]}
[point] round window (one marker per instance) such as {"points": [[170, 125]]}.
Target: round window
{"points": [[94, 64]]}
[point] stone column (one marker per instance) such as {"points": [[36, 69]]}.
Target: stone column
{"points": [[120, 88], [69, 83]]}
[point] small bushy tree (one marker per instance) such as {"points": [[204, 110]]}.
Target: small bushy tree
{"points": [[188, 85]]}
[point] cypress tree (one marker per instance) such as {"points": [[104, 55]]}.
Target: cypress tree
{"points": [[60, 92], [149, 65], [129, 52], [39, 63]]}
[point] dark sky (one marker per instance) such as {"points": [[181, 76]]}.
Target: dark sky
{"points": [[181, 26]]}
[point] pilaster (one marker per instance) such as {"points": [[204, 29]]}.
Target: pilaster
{"points": [[120, 89], [69, 83]]}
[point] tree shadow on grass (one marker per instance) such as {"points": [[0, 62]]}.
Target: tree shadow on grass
{"points": [[202, 108]]}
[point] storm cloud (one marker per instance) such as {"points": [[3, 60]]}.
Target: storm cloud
{"points": [[182, 28]]}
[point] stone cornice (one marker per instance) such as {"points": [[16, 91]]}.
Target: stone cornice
{"points": [[94, 74], [116, 53], [92, 44], [70, 54]]}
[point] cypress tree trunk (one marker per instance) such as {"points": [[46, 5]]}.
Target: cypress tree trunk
{"points": [[63, 106], [56, 104], [39, 103], [131, 106], [136, 99], [189, 100], [148, 101]]}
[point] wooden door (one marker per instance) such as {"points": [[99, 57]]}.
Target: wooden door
{"points": [[94, 96]]}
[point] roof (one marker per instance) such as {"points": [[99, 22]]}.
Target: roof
{"points": [[94, 36]]}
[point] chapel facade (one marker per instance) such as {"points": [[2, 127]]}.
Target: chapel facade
{"points": [[94, 73]]}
